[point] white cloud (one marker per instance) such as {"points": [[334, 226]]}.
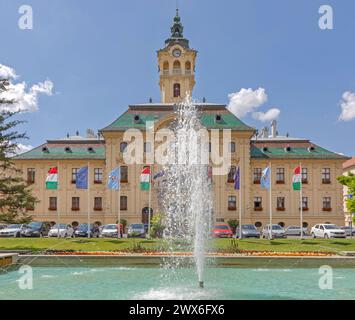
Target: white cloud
{"points": [[269, 115], [7, 73], [24, 99], [347, 106], [22, 148], [246, 101]]}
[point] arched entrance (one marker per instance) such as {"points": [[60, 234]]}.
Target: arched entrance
{"points": [[145, 215]]}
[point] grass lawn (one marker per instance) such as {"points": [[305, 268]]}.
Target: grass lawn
{"points": [[82, 244]]}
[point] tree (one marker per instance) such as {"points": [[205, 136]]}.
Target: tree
{"points": [[349, 181], [234, 224], [15, 195], [157, 226]]}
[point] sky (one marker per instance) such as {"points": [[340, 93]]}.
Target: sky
{"points": [[84, 62]]}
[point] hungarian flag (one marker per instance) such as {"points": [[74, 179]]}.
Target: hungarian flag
{"points": [[297, 178], [145, 178], [52, 179]]}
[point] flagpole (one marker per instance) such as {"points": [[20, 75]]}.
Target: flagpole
{"points": [[58, 202], [270, 200], [301, 202], [88, 200], [240, 203], [119, 203], [150, 198]]}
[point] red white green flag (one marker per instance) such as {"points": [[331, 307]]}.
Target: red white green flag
{"points": [[297, 179], [52, 179], [145, 178]]}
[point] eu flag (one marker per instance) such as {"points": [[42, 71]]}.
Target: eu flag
{"points": [[237, 179], [82, 178], [114, 179], [265, 179]]}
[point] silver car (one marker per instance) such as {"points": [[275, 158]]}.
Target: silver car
{"points": [[136, 230], [276, 232], [248, 231], [349, 232], [295, 231], [12, 231]]}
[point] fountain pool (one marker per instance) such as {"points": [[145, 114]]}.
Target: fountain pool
{"points": [[124, 283]]}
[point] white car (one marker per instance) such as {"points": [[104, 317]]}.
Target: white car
{"points": [[327, 231], [64, 231], [13, 230], [277, 231], [109, 231]]}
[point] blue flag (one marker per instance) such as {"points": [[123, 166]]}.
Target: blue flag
{"points": [[114, 179], [159, 175], [82, 178], [237, 179], [265, 179]]}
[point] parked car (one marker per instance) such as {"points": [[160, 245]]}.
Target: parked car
{"points": [[110, 231], [276, 231], [64, 231], [82, 231], [136, 230], [295, 231], [222, 231], [3, 226], [13, 230], [36, 229], [349, 231], [248, 231], [327, 231]]}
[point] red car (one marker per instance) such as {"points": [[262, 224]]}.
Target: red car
{"points": [[222, 231]]}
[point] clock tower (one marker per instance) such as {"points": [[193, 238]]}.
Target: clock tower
{"points": [[176, 65]]}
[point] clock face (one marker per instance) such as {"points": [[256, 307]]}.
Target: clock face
{"points": [[177, 53]]}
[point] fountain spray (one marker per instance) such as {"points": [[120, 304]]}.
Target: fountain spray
{"points": [[186, 194]]}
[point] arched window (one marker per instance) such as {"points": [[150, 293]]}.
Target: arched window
{"points": [[188, 67], [281, 224], [177, 67], [231, 147], [258, 224], [305, 224], [176, 90], [166, 67]]}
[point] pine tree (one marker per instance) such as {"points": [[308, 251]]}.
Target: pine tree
{"points": [[15, 195]]}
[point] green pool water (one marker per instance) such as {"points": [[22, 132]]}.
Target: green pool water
{"points": [[150, 283]]}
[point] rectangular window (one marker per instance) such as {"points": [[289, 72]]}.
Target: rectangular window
{"points": [[52, 203], [232, 203], [98, 204], [124, 203], [327, 204], [31, 175], [304, 175], [280, 175], [280, 203], [326, 175], [305, 203], [231, 147], [98, 175], [257, 173], [75, 203], [231, 174], [74, 172], [124, 174], [258, 205], [219, 220]]}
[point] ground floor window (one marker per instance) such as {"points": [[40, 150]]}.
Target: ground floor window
{"points": [[327, 204], [98, 204], [52, 203], [258, 206], [232, 203], [281, 224], [258, 224], [124, 203], [75, 203]]}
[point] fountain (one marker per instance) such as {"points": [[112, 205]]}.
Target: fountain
{"points": [[186, 192]]}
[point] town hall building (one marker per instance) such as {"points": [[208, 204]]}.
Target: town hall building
{"points": [[251, 151]]}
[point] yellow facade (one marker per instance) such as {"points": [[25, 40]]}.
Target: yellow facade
{"points": [[176, 63]]}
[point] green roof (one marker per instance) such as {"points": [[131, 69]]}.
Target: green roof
{"points": [[126, 121], [295, 153], [59, 153]]}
